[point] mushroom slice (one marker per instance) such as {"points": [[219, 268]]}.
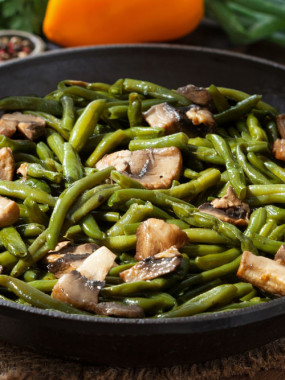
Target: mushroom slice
{"points": [[155, 235], [263, 273], [229, 209], [23, 170], [153, 168], [202, 116], [163, 116], [278, 149], [280, 255], [118, 309], [197, 95], [280, 121], [193, 120], [9, 212], [153, 266], [7, 164], [29, 125], [81, 287], [7, 127], [66, 258]]}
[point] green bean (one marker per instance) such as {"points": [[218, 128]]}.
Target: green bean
{"points": [[31, 275], [35, 213], [268, 228], [38, 171], [154, 304], [215, 260], [72, 232], [194, 250], [240, 95], [66, 200], [120, 268], [237, 111], [276, 213], [119, 243], [36, 184], [31, 103], [205, 235], [68, 116], [85, 93], [45, 286], [144, 132], [13, 242], [131, 228], [55, 142], [180, 140], [207, 276], [258, 163], [52, 122], [155, 91], [136, 213], [236, 175], [135, 110], [255, 130], [271, 130], [124, 181], [30, 230], [85, 124], [35, 297], [116, 89], [140, 287], [219, 99], [248, 296], [107, 216], [190, 189], [243, 288], [26, 157], [21, 146], [100, 194], [198, 290], [71, 164], [252, 174], [21, 191], [207, 155], [7, 260], [90, 227], [278, 233], [43, 151], [218, 296], [107, 144], [266, 244], [277, 170]]}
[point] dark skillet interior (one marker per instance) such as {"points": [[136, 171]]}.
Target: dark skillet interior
{"points": [[120, 342]]}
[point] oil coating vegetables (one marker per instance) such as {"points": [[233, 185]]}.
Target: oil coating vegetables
{"points": [[133, 200]]}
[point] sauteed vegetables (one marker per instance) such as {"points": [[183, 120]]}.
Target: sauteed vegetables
{"points": [[134, 200]]}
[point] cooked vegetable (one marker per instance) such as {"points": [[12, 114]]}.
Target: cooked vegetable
{"points": [[103, 220]]}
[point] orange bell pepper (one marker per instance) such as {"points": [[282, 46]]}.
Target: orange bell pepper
{"points": [[92, 22]]}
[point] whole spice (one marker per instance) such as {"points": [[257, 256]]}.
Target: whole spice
{"points": [[14, 47]]}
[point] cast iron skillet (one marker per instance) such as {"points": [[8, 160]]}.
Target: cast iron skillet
{"points": [[121, 342]]}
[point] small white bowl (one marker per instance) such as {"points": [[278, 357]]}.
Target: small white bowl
{"points": [[38, 43]]}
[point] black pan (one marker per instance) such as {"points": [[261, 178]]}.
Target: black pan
{"points": [[120, 342]]}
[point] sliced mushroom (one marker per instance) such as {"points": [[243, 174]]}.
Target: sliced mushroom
{"points": [[202, 116], [29, 125], [153, 266], [9, 212], [118, 309], [280, 255], [229, 209], [280, 121], [7, 127], [153, 168], [192, 120], [7, 164], [263, 273], [197, 95], [23, 170], [279, 149], [66, 258], [81, 287], [155, 235]]}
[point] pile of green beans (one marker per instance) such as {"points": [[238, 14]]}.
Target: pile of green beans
{"points": [[65, 197]]}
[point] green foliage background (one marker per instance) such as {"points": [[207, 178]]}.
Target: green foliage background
{"points": [[22, 15]]}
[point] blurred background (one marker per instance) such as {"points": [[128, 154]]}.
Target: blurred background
{"points": [[255, 27]]}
